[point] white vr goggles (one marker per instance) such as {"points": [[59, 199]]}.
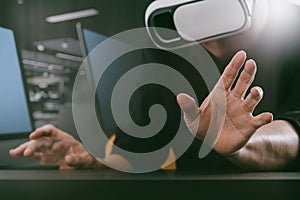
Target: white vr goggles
{"points": [[196, 20]]}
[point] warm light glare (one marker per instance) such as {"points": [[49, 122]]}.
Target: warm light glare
{"points": [[280, 10], [283, 23], [296, 2]]}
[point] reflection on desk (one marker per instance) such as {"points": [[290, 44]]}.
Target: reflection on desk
{"points": [[92, 184]]}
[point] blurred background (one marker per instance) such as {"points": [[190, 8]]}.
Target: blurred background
{"points": [[50, 54], [45, 32]]}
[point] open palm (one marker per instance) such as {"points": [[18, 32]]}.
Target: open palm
{"points": [[239, 124]]}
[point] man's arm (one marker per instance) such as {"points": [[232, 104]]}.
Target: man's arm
{"points": [[50, 145], [253, 142], [274, 146]]}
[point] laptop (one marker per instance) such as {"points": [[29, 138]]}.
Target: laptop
{"points": [[15, 117]]}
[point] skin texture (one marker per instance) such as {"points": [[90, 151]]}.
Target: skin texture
{"points": [[252, 142], [239, 125], [270, 146], [50, 145], [274, 146]]}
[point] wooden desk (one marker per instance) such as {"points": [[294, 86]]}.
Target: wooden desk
{"points": [[87, 184]]}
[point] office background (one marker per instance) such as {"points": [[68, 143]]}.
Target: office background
{"points": [[50, 54]]}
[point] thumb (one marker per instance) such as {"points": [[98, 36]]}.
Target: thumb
{"points": [[80, 162], [188, 106], [262, 119], [72, 160]]}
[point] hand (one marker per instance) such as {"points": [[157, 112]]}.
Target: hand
{"points": [[50, 145], [239, 123]]}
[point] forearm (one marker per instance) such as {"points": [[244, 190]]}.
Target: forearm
{"points": [[273, 147]]}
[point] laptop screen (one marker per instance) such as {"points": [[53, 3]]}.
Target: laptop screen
{"points": [[88, 40], [15, 117]]}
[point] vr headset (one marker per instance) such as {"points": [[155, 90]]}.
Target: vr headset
{"points": [[196, 20]]}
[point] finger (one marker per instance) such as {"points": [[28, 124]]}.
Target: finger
{"points": [[188, 106], [256, 94], [37, 146], [15, 152], [46, 130], [60, 146], [245, 80], [72, 160], [29, 151], [262, 119], [37, 156], [231, 71], [18, 151]]}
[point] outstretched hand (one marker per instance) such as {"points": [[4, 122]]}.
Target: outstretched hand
{"points": [[239, 123], [50, 145]]}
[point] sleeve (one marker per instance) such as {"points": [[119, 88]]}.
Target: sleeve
{"points": [[289, 92], [289, 96]]}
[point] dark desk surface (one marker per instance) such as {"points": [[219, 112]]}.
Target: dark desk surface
{"points": [[88, 184]]}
